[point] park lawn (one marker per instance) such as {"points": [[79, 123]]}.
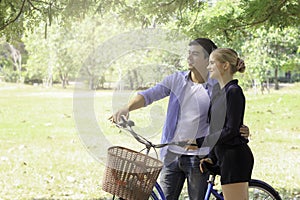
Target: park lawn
{"points": [[43, 155], [275, 138]]}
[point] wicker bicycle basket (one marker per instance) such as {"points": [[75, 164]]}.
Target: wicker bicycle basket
{"points": [[129, 174]]}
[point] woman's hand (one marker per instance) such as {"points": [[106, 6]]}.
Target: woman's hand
{"points": [[208, 160], [245, 132], [191, 145]]}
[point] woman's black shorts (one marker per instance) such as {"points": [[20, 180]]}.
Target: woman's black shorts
{"points": [[236, 163]]}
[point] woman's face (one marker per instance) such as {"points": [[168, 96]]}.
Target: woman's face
{"points": [[215, 68]]}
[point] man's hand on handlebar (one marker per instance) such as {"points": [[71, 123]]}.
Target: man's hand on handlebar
{"points": [[135, 103], [116, 117]]}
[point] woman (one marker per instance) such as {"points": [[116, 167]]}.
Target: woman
{"points": [[231, 152]]}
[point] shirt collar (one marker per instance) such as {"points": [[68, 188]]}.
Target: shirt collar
{"points": [[232, 82], [187, 77], [209, 83]]}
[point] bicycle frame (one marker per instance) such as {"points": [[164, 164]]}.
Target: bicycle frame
{"points": [[261, 190], [127, 125], [210, 190], [160, 192], [159, 195]]}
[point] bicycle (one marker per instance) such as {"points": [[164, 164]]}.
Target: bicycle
{"points": [[258, 190]]}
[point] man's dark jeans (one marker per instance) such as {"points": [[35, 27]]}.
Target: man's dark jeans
{"points": [[177, 169]]}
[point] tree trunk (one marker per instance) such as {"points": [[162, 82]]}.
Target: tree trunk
{"points": [[131, 82], [136, 78], [64, 83], [64, 80], [276, 79], [92, 83]]}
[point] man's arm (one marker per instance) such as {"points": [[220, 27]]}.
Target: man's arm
{"points": [[137, 102]]}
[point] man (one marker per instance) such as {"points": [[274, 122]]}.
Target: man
{"points": [[186, 119]]}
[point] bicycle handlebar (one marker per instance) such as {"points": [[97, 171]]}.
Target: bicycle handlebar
{"points": [[126, 124]]}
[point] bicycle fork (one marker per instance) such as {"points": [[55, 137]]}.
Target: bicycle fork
{"points": [[210, 190]]}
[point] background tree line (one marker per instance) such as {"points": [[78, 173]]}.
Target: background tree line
{"points": [[55, 38]]}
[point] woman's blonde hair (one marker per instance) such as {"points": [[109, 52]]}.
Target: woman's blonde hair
{"points": [[229, 55]]}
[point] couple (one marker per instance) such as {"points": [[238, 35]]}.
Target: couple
{"points": [[206, 105]]}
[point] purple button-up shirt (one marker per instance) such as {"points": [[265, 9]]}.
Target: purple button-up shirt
{"points": [[173, 86]]}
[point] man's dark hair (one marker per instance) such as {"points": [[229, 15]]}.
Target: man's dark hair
{"points": [[206, 43]]}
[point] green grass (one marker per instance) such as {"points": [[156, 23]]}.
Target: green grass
{"points": [[275, 141], [43, 157]]}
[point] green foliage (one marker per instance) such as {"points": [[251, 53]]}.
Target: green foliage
{"points": [[20, 16], [268, 50], [64, 52], [71, 30], [271, 13], [8, 71], [230, 16], [10, 75]]}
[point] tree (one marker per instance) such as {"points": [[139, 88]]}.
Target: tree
{"points": [[66, 49], [269, 51], [17, 16], [40, 66], [10, 62], [228, 22]]}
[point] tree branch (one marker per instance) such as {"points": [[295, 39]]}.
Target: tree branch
{"points": [[29, 1], [167, 3], [15, 19], [262, 20], [48, 3], [197, 14], [44, 2]]}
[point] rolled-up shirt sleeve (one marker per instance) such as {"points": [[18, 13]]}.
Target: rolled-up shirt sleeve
{"points": [[159, 91]]}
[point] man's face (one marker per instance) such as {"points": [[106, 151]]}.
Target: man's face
{"points": [[197, 61]]}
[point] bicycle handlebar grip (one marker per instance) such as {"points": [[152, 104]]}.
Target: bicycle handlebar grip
{"points": [[123, 118], [125, 121]]}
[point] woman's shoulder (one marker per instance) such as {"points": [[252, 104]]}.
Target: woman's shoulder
{"points": [[233, 87]]}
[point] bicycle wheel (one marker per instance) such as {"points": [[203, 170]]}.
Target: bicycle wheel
{"points": [[259, 190]]}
